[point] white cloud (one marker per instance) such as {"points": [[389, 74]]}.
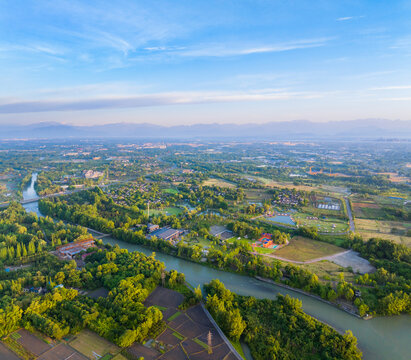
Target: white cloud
{"points": [[145, 100], [33, 48], [396, 99], [396, 87], [345, 18]]}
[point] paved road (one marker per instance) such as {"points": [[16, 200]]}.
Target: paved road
{"points": [[329, 257], [349, 212]]}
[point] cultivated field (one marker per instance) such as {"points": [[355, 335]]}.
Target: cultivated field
{"points": [[281, 185], [185, 334], [219, 182], [389, 230], [62, 351], [90, 344], [303, 249], [31, 342], [6, 354], [257, 195]]}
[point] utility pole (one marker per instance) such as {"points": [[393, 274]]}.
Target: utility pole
{"points": [[209, 338]]}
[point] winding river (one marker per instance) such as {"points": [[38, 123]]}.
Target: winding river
{"points": [[378, 338]]}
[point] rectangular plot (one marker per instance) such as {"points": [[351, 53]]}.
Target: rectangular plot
{"points": [[60, 352], [198, 315], [32, 343], [138, 350], [6, 354], [164, 297], [168, 337], [91, 345]]}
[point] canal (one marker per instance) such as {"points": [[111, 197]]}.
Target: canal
{"points": [[378, 338]]}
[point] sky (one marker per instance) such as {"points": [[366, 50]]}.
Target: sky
{"points": [[185, 62]]}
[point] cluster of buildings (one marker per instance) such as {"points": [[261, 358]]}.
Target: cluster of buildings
{"points": [[221, 232], [67, 251], [165, 233], [288, 198], [265, 241]]}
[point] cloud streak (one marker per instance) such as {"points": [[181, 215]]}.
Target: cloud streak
{"points": [[230, 50], [346, 18], [396, 87], [162, 99]]}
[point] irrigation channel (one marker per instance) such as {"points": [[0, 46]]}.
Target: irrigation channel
{"points": [[379, 338]]}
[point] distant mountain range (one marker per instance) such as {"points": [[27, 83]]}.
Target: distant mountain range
{"points": [[289, 130]]}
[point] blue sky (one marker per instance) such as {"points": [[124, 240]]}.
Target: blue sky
{"points": [[182, 62]]}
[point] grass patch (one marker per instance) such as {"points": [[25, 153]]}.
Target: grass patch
{"points": [[303, 249], [178, 335], [199, 342], [15, 336], [162, 308], [238, 347], [328, 271], [174, 316], [107, 357], [173, 210], [262, 250]]}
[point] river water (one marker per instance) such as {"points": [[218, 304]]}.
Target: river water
{"points": [[378, 338]]}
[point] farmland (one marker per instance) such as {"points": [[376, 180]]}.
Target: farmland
{"points": [[219, 182], [393, 230], [90, 344]]}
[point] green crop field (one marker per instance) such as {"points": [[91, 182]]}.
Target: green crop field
{"points": [[303, 249], [174, 316], [170, 191], [89, 343]]}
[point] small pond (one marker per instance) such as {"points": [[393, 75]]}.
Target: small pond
{"points": [[282, 219]]}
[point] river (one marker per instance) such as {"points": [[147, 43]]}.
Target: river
{"points": [[378, 338]]}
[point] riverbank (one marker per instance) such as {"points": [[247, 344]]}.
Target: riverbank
{"points": [[319, 298], [380, 338], [210, 265]]}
